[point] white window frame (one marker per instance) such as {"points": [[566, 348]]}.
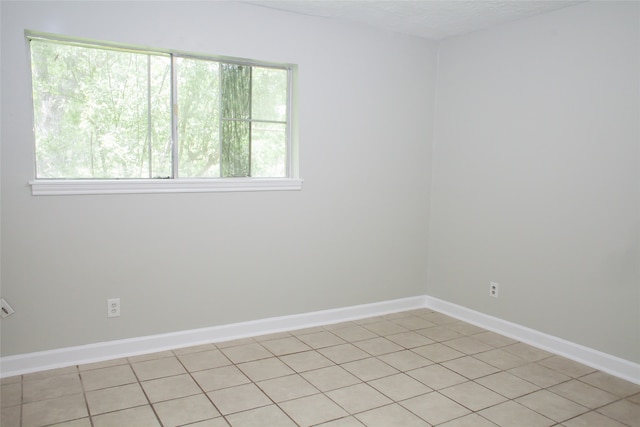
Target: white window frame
{"points": [[62, 186]]}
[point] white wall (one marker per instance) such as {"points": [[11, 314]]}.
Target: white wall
{"points": [[536, 174], [355, 234]]}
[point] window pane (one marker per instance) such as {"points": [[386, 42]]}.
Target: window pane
{"points": [[236, 91], [235, 149], [268, 150], [198, 117], [100, 113], [269, 94]]}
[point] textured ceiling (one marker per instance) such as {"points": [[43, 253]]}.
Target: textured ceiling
{"points": [[431, 19]]}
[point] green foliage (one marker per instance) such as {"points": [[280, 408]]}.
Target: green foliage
{"points": [[106, 113]]}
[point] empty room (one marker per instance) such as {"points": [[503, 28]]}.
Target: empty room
{"points": [[320, 213]]}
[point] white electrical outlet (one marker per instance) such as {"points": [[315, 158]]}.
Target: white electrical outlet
{"points": [[113, 307], [5, 308], [493, 289]]}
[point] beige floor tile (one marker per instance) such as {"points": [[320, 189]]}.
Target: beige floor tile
{"points": [[501, 359], [511, 414], [566, 366], [158, 368], [440, 333], [10, 416], [343, 422], [551, 405], [215, 422], [343, 353], [50, 373], [466, 328], [287, 388], [103, 364], [265, 369], [10, 394], [82, 422], [584, 394], [409, 339], [435, 408], [385, 327], [470, 367], [168, 388], [624, 411], [397, 315], [107, 377], [321, 339], [330, 378], [272, 336], [437, 352], [141, 416], [592, 419], [612, 384], [151, 356], [246, 352], [306, 361], [471, 420], [312, 410], [369, 369], [202, 360], [438, 318], [185, 410], [635, 398], [282, 346], [267, 416], [306, 331], [354, 333], [378, 346], [468, 345], [493, 339], [215, 379], [399, 387], [115, 398], [405, 360], [339, 325], [51, 387], [527, 352], [539, 375], [358, 398], [414, 322], [194, 349], [391, 415], [234, 343], [507, 384], [367, 320], [473, 396], [11, 380], [436, 376], [238, 398], [51, 411]]}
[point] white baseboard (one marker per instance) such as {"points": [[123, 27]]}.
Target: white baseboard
{"points": [[613, 365], [58, 358]]}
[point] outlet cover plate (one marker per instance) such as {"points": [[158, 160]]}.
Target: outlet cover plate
{"points": [[113, 307]]}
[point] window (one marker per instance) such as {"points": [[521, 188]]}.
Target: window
{"points": [[123, 118]]}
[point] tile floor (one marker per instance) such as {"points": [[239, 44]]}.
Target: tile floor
{"points": [[414, 368]]}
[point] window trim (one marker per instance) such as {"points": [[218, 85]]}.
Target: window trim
{"points": [[292, 182], [64, 187]]}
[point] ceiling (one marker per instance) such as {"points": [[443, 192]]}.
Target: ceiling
{"points": [[430, 19]]}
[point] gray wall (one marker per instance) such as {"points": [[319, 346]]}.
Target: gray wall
{"points": [[536, 175], [355, 234]]}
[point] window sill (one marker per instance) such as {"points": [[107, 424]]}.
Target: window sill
{"points": [[61, 187]]}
